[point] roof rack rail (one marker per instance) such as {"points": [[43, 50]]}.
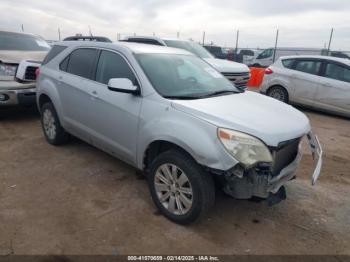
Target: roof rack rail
{"points": [[88, 38]]}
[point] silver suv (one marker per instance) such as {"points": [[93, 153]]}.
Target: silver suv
{"points": [[173, 116]]}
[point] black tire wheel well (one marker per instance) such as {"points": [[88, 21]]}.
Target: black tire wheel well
{"points": [[158, 147], [43, 99]]}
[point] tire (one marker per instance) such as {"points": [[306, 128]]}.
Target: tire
{"points": [[279, 93], [175, 205], [53, 131]]}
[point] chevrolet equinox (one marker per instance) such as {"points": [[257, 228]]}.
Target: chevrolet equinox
{"points": [[176, 118]]}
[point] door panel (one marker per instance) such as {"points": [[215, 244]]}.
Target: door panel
{"points": [[115, 115], [305, 81], [114, 121], [334, 90], [74, 90]]}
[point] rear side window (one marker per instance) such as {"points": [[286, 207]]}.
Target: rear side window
{"points": [[55, 50], [81, 62], [337, 72], [112, 65], [64, 64], [288, 63], [308, 66]]}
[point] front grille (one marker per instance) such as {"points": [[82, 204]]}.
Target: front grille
{"points": [[239, 79], [30, 73], [284, 154]]}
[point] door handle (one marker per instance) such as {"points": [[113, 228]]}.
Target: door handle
{"points": [[94, 94], [327, 84]]}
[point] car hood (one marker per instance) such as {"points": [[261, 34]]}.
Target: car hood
{"points": [[226, 66], [15, 57], [260, 116]]}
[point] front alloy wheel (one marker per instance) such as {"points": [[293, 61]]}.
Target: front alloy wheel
{"points": [[173, 189], [180, 188]]}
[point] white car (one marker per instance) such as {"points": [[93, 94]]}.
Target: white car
{"points": [[266, 57], [321, 82]]}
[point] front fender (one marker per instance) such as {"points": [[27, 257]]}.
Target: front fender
{"points": [[196, 136]]}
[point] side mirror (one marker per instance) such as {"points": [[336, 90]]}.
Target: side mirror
{"points": [[123, 85]]}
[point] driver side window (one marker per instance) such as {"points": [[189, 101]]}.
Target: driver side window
{"points": [[112, 65]]}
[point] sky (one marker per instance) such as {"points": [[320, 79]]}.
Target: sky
{"points": [[301, 23]]}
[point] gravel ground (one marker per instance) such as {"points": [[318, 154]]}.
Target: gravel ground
{"points": [[76, 199]]}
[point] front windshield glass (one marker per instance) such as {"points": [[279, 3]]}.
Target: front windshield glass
{"points": [[183, 76], [192, 47], [22, 42]]}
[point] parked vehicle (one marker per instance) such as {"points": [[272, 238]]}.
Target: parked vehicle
{"points": [[237, 73], [322, 82], [88, 38], [216, 51], [169, 113], [265, 58], [15, 48]]}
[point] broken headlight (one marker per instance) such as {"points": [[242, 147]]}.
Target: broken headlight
{"points": [[247, 149]]}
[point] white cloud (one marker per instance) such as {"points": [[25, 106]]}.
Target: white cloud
{"points": [[301, 23]]}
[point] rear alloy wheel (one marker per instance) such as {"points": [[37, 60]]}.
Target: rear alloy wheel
{"points": [[279, 93], [180, 188], [53, 131]]}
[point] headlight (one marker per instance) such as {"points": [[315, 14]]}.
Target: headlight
{"points": [[246, 149], [7, 70]]}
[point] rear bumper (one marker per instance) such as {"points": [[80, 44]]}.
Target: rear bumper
{"points": [[13, 93]]}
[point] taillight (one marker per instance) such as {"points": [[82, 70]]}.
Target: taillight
{"points": [[37, 73], [268, 71]]}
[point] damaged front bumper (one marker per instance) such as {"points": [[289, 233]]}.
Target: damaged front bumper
{"points": [[261, 183]]}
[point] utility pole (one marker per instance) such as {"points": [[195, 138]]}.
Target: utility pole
{"points": [[90, 31], [203, 38], [237, 38], [178, 35], [22, 28], [330, 41], [274, 52], [59, 34]]}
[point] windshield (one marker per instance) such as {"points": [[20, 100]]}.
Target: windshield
{"points": [[192, 47], [183, 76], [22, 42]]}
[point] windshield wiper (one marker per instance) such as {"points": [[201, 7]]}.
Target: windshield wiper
{"points": [[221, 92], [182, 97]]}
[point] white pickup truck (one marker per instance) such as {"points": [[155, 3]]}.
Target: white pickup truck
{"points": [[20, 55]]}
